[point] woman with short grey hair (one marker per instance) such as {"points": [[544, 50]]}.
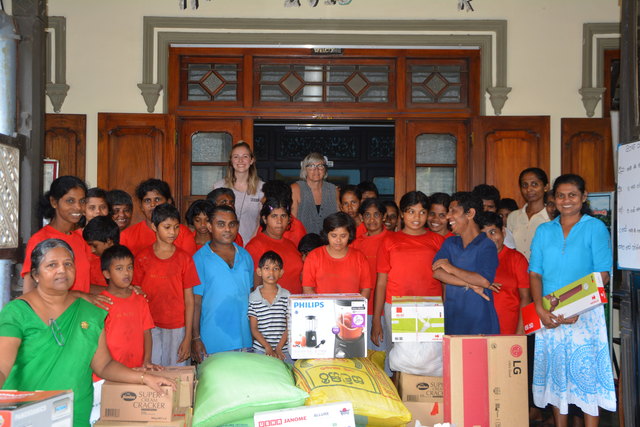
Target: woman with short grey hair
{"points": [[313, 197]]}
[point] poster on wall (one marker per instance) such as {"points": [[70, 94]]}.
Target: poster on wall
{"points": [[50, 169], [628, 206]]}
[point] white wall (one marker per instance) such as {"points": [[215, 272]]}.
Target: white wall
{"points": [[104, 48]]}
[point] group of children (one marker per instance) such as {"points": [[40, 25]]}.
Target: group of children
{"points": [[176, 293]]}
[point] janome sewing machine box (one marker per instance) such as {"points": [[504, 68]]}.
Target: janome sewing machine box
{"points": [[327, 326], [417, 319], [573, 299], [36, 408]]}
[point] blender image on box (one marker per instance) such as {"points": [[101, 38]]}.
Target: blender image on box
{"points": [[327, 326], [350, 339]]}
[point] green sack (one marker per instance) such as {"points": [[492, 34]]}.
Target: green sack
{"points": [[233, 386]]}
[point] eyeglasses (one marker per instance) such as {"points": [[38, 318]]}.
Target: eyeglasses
{"points": [[319, 166], [57, 333]]}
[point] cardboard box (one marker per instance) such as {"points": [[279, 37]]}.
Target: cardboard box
{"points": [[136, 402], [573, 299], [423, 397], [327, 326], [428, 413], [184, 376], [338, 414], [36, 408], [485, 380], [417, 319], [176, 421], [416, 388]]}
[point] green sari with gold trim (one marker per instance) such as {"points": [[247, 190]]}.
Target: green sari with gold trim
{"points": [[55, 357]]}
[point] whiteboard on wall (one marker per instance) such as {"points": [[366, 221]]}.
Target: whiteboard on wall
{"points": [[629, 206]]}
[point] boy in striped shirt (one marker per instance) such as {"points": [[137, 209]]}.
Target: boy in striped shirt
{"points": [[268, 309]]}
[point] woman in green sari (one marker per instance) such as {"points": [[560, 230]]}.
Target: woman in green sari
{"points": [[51, 340]]}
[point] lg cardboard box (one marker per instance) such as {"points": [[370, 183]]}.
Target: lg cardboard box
{"points": [[338, 414], [423, 397], [571, 300], [36, 408], [327, 326], [136, 402], [184, 376], [417, 319], [485, 380]]}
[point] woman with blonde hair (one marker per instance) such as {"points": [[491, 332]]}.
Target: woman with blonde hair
{"points": [[242, 178], [313, 197]]}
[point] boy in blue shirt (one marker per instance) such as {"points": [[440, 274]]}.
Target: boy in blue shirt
{"points": [[466, 264], [221, 321]]}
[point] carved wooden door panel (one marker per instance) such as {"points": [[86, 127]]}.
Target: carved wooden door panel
{"points": [[65, 141], [135, 147], [504, 146], [587, 151]]}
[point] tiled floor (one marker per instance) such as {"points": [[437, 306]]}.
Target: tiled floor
{"points": [[607, 419]]}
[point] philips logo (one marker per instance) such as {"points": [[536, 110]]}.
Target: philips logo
{"points": [[308, 304]]}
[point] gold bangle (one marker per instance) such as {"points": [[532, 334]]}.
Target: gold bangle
{"points": [[141, 378]]}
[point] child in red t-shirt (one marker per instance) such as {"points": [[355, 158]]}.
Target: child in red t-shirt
{"points": [[335, 267], [197, 218], [512, 274], [391, 218], [128, 324], [350, 199], [167, 275], [403, 262], [151, 193], [100, 233]]}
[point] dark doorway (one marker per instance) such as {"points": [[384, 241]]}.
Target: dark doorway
{"points": [[356, 152]]}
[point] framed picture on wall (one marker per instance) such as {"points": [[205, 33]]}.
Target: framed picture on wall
{"points": [[50, 168]]}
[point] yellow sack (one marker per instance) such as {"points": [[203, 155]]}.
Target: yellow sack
{"points": [[377, 357], [358, 381]]}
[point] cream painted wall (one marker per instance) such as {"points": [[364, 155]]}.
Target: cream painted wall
{"points": [[104, 48]]}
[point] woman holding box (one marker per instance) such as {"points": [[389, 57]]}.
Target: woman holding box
{"points": [[572, 363]]}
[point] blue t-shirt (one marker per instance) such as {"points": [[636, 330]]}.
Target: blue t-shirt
{"points": [[465, 312], [561, 261], [224, 324]]}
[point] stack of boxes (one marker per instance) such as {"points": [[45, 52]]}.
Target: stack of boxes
{"points": [[137, 404]]}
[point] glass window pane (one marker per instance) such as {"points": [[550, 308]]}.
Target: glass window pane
{"points": [[337, 74], [197, 93], [436, 148], [375, 74], [310, 93], [452, 94], [227, 93], [203, 177], [210, 147], [197, 71], [272, 93], [385, 184], [273, 73], [420, 94], [431, 180], [375, 94], [339, 94], [227, 71]]}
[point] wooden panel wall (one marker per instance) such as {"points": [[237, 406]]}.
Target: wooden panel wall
{"points": [[65, 141]]}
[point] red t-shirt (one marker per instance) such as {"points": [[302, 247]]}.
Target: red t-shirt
{"points": [[79, 247], [369, 245], [512, 274], [96, 276], [330, 275], [164, 282], [238, 240], [124, 328], [291, 279], [295, 232], [361, 230], [139, 236], [407, 260]]}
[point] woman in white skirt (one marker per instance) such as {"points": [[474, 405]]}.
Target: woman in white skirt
{"points": [[572, 363]]}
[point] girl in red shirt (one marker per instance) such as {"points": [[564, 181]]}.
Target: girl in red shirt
{"points": [[403, 262], [274, 221], [437, 216], [335, 267]]}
